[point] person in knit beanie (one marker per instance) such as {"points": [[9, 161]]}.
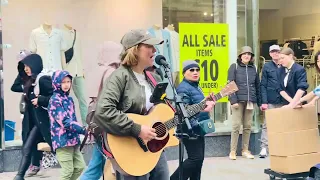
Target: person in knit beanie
{"points": [[191, 93]]}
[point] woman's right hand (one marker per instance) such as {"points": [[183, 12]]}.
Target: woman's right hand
{"points": [[235, 105], [147, 133]]}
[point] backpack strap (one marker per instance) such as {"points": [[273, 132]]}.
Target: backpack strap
{"points": [[154, 83]]}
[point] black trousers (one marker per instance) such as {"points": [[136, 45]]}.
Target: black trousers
{"points": [[193, 165], [30, 151]]}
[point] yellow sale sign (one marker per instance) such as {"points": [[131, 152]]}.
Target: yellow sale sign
{"points": [[206, 43]]}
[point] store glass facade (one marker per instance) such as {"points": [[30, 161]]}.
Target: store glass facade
{"points": [[242, 18], [107, 20]]}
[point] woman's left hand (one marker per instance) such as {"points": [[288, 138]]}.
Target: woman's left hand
{"points": [[209, 107], [35, 101]]}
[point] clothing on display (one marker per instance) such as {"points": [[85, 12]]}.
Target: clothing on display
{"points": [[175, 48], [75, 66], [298, 47], [49, 46], [164, 48]]}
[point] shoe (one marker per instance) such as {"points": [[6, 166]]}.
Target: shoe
{"points": [[247, 154], [18, 177], [233, 155], [263, 153], [33, 171]]}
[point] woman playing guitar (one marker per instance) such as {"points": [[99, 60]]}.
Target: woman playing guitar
{"points": [[127, 90]]}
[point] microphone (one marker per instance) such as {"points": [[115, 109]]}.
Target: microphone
{"points": [[161, 61]]}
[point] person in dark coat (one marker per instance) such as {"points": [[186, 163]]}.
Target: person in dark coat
{"points": [[17, 86], [37, 90], [245, 75], [270, 98], [292, 78], [192, 94]]}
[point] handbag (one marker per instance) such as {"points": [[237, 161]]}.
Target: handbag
{"points": [[206, 126], [69, 53]]}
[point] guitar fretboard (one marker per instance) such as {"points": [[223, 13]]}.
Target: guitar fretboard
{"points": [[192, 110]]}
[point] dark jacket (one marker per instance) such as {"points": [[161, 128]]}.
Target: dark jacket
{"points": [[36, 116], [248, 82], [297, 80], [121, 94], [270, 84], [192, 94]]}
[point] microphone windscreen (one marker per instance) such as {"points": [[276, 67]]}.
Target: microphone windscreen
{"points": [[158, 59]]}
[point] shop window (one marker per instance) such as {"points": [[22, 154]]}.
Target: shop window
{"points": [[215, 11]]}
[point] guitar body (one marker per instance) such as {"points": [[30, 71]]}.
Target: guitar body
{"points": [[134, 157], [129, 156]]}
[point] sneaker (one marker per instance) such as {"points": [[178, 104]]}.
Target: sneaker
{"points": [[247, 154], [233, 155], [33, 171], [263, 153]]}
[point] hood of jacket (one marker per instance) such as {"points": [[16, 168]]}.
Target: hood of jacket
{"points": [[109, 53], [57, 78], [34, 61]]}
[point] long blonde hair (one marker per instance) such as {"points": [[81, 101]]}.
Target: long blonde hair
{"points": [[129, 57]]}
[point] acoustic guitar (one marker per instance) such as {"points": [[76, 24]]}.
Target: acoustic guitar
{"points": [[135, 157]]}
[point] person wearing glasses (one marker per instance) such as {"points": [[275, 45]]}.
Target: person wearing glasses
{"points": [[191, 94], [245, 75], [269, 96]]}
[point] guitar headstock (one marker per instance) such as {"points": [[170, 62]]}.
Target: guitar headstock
{"points": [[230, 88]]}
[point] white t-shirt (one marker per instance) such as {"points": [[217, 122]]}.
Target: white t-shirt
{"points": [[143, 82]]}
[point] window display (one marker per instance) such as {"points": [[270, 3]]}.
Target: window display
{"points": [[48, 42], [52, 33]]}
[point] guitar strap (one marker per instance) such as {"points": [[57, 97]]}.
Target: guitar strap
{"points": [[154, 83]]}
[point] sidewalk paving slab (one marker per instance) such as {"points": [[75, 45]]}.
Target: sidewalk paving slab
{"points": [[217, 168]]}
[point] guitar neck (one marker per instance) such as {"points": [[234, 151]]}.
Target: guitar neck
{"points": [[192, 110], [196, 108]]}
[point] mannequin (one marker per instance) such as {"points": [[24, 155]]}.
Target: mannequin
{"points": [[170, 27], [75, 68], [163, 49], [68, 26], [174, 46], [47, 41], [156, 27], [47, 27]]}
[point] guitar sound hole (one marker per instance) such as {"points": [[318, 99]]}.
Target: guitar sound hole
{"points": [[160, 128], [156, 145]]}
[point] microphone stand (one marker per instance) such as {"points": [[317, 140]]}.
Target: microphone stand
{"points": [[182, 116]]}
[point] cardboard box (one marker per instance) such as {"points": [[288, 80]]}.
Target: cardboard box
{"points": [[294, 164], [288, 120], [294, 143]]}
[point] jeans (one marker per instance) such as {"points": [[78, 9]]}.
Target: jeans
{"points": [[264, 136], [71, 162], [96, 165], [78, 89], [193, 165], [160, 172]]}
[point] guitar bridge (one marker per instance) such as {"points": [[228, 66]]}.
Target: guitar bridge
{"points": [[142, 145]]}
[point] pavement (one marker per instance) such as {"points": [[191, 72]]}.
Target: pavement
{"points": [[217, 168]]}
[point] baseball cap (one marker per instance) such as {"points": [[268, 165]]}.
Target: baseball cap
{"points": [[274, 47], [137, 36]]}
